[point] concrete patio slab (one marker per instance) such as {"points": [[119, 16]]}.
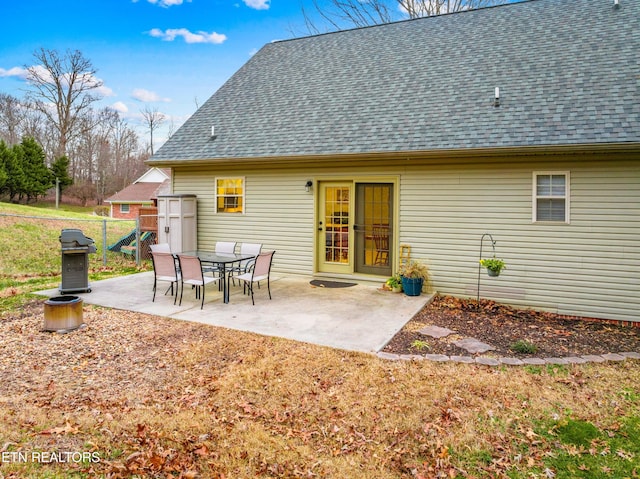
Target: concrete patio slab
{"points": [[358, 318]]}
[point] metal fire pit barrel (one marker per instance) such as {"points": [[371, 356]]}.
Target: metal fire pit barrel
{"points": [[63, 313]]}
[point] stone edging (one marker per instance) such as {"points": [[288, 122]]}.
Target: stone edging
{"points": [[511, 361]]}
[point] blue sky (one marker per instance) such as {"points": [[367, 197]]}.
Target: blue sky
{"points": [[168, 54]]}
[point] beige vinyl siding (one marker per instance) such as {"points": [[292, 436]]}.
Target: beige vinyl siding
{"points": [[590, 267], [279, 213]]}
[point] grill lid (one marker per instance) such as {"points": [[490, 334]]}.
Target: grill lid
{"points": [[73, 238]]}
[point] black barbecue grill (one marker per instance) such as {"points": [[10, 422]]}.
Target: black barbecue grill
{"points": [[75, 260]]}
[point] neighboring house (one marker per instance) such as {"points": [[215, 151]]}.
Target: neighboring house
{"points": [[143, 192], [521, 121]]}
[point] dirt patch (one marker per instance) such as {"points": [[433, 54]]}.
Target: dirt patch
{"points": [[502, 326]]}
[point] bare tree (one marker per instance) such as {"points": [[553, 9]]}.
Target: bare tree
{"points": [[63, 89], [58, 110], [107, 156], [153, 119], [126, 163], [11, 118], [19, 119], [429, 8], [172, 128], [341, 14]]}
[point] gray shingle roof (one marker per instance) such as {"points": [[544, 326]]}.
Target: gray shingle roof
{"points": [[568, 73]]}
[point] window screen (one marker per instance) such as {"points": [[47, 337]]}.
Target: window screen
{"points": [[551, 198]]}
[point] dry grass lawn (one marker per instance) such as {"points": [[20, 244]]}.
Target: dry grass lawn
{"points": [[155, 397]]}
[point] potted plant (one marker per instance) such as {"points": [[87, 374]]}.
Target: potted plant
{"points": [[414, 275], [493, 265], [395, 283]]}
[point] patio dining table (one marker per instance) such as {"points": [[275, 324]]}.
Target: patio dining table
{"points": [[223, 261]]}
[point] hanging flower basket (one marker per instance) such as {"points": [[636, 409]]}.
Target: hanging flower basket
{"points": [[494, 266]]}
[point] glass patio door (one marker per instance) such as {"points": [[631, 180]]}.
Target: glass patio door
{"points": [[373, 228], [334, 227]]}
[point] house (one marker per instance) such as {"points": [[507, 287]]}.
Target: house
{"points": [[520, 121], [126, 203]]}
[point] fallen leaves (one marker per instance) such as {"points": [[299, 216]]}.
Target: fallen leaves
{"points": [[502, 325], [153, 457], [7, 445], [163, 398], [68, 428]]}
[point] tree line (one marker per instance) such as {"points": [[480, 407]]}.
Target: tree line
{"points": [[24, 175], [101, 152]]}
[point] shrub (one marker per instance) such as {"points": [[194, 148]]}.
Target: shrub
{"points": [[420, 345], [524, 347], [101, 210]]}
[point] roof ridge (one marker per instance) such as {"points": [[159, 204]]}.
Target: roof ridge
{"points": [[510, 3]]}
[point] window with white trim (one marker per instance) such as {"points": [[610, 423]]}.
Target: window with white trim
{"points": [[124, 208], [551, 197], [229, 195]]}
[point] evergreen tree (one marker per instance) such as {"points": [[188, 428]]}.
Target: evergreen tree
{"points": [[4, 153], [12, 167], [60, 170], [38, 178]]}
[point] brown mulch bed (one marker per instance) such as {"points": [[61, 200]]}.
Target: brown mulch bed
{"points": [[501, 326]]}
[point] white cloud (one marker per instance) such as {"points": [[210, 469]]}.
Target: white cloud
{"points": [[189, 37], [167, 3], [120, 107], [257, 4], [104, 90], [141, 94], [14, 72], [41, 72]]}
